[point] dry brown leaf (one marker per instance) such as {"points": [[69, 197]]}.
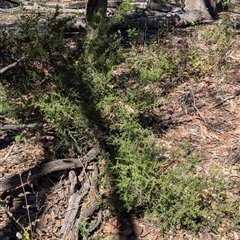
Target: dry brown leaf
{"points": [[2, 169], [39, 232], [55, 230], [232, 106], [145, 233], [137, 228], [204, 131], [58, 222], [236, 130], [236, 190], [56, 200], [109, 227], [210, 146], [183, 131], [223, 136], [236, 236], [225, 153], [45, 220]]}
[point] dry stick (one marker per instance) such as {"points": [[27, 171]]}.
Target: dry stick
{"points": [[11, 65], [7, 155], [45, 9], [16, 126], [89, 211], [226, 99], [200, 114], [195, 107], [72, 210], [13, 181], [235, 159], [96, 223], [84, 171], [10, 215], [69, 217], [73, 180]]}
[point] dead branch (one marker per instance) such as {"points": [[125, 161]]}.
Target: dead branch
{"points": [[70, 227], [16, 126], [235, 159], [11, 65], [40, 8], [13, 181], [87, 213], [178, 19], [226, 99], [73, 180], [7, 155], [73, 208]]}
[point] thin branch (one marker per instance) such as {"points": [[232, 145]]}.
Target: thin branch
{"points": [[7, 155], [195, 107], [84, 171], [11, 65], [226, 99], [16, 126]]}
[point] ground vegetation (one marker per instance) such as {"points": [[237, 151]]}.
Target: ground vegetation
{"points": [[145, 123]]}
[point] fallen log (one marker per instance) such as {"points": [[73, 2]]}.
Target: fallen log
{"points": [[15, 180], [177, 19], [163, 14], [16, 126]]}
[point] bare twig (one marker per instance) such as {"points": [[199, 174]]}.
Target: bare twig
{"points": [[235, 159], [195, 107], [16, 126], [11, 65], [200, 114], [7, 155], [84, 171], [226, 99]]}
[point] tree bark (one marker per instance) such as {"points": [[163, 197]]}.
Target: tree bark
{"points": [[208, 7], [93, 6]]}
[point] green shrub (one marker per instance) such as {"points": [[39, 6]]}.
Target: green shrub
{"points": [[77, 96]]}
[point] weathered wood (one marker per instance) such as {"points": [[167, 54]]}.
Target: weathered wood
{"points": [[16, 126], [8, 67], [208, 7], [178, 19], [13, 181], [73, 207]]}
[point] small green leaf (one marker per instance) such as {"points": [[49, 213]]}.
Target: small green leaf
{"points": [[26, 235], [22, 194], [9, 214], [18, 138], [223, 195], [19, 235]]}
